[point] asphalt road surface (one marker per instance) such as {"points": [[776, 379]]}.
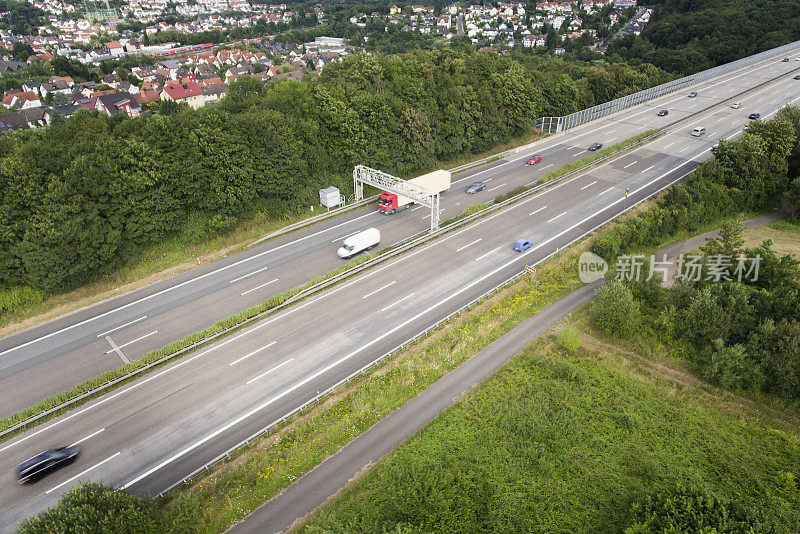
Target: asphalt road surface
{"points": [[152, 432], [330, 476], [321, 483], [53, 357]]}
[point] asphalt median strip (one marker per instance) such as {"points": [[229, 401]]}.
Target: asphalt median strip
{"points": [[322, 482]]}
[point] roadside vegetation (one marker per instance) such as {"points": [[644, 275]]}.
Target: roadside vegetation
{"points": [[582, 440], [89, 195]]}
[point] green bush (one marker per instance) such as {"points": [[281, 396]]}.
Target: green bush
{"points": [[732, 368], [615, 311], [683, 510], [93, 507], [17, 297], [182, 515], [568, 339]]}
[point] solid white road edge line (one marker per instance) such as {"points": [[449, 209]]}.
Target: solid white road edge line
{"points": [[378, 339]]}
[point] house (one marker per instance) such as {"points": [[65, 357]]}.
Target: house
{"points": [[118, 103], [10, 65], [25, 119], [188, 92], [34, 86], [147, 96], [113, 48], [213, 92], [22, 100], [234, 72], [112, 80]]}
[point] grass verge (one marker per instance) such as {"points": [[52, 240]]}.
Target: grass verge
{"points": [[173, 348], [26, 307], [565, 440], [237, 487], [552, 175]]}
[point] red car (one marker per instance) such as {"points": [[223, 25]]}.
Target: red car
{"points": [[534, 160]]}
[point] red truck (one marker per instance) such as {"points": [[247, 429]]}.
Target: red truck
{"points": [[436, 181]]}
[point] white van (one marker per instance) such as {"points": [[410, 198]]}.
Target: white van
{"points": [[698, 131], [364, 240]]}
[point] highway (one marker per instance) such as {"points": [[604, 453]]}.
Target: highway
{"points": [[152, 432], [59, 354]]}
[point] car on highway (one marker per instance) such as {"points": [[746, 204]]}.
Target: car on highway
{"points": [[533, 160], [522, 244], [786, 60], [595, 146], [475, 187], [692, 94], [736, 105], [754, 116], [45, 463], [663, 113], [797, 77], [698, 131]]}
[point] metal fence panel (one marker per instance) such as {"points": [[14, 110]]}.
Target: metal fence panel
{"points": [[560, 124]]}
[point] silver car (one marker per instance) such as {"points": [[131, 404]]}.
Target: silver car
{"points": [[475, 187]]}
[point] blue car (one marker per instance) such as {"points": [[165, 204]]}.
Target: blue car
{"points": [[521, 244]]}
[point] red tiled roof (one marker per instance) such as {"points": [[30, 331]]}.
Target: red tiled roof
{"points": [[178, 91]]}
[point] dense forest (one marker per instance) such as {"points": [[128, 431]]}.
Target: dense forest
{"points": [[87, 193], [21, 18], [688, 36]]}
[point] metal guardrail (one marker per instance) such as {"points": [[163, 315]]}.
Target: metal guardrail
{"points": [[435, 326], [357, 204], [560, 124], [400, 247], [424, 333]]}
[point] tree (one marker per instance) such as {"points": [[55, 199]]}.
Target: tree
{"points": [[92, 507], [729, 242], [614, 309], [21, 50]]}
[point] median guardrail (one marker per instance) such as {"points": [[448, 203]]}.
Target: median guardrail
{"points": [[391, 252]]}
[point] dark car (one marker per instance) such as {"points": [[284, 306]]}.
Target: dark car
{"points": [[797, 77], [45, 463], [475, 187], [786, 60], [533, 160], [754, 116], [595, 146], [692, 94], [521, 244], [663, 112]]}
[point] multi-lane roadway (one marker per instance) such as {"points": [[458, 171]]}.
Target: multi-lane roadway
{"points": [[152, 432], [52, 357]]}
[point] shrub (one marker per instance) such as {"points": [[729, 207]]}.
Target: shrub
{"points": [[182, 514], [692, 511], [17, 297], [93, 507], [568, 339], [615, 311], [732, 368]]}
